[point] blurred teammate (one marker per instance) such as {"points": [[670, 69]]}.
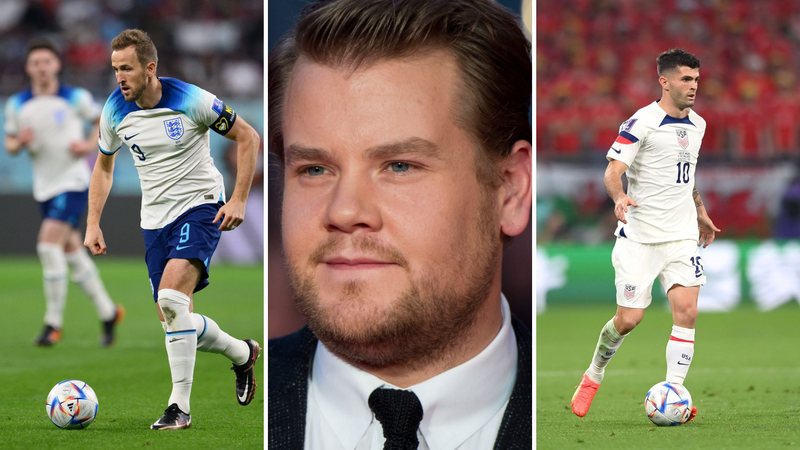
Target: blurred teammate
{"points": [[659, 217], [165, 122], [50, 120]]}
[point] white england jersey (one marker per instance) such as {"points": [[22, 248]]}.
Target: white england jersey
{"points": [[57, 121], [661, 153], [170, 147]]}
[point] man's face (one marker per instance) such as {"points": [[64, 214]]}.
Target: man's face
{"points": [[130, 73], [392, 242], [42, 66], [682, 83]]}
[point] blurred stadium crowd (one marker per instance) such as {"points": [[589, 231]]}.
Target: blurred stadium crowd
{"points": [[595, 64], [216, 45]]}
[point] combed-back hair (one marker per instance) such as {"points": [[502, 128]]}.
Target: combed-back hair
{"points": [[145, 49], [490, 48], [674, 58]]}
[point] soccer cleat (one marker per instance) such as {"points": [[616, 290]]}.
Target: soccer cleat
{"points": [[50, 336], [692, 414], [173, 419], [245, 374], [584, 394], [109, 325]]}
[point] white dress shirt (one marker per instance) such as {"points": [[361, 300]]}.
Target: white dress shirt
{"points": [[462, 407]]}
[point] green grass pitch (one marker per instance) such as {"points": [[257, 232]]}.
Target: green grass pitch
{"points": [[744, 379], [131, 379]]}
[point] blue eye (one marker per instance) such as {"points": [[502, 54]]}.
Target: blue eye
{"points": [[314, 171], [399, 167]]}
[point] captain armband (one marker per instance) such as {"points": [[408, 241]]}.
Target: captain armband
{"points": [[224, 123]]}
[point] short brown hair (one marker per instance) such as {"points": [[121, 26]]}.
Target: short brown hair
{"points": [[42, 44], [491, 50], [145, 49]]}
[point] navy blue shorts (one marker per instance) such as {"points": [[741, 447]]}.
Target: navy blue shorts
{"points": [[190, 236], [66, 207]]}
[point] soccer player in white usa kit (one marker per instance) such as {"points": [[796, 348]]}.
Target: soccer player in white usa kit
{"points": [[165, 123], [661, 221], [49, 120]]}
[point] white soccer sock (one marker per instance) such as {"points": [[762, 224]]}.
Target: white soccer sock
{"points": [[84, 273], [210, 338], [181, 343], [607, 344], [680, 351], [54, 269]]}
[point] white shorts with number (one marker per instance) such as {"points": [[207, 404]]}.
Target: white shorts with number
{"points": [[637, 265]]}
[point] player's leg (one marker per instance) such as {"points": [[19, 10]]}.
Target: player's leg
{"points": [[53, 233], [682, 279], [84, 273], [178, 281], [242, 353], [198, 239], [634, 274], [680, 346]]}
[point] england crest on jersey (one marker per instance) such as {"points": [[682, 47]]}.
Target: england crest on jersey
{"points": [[174, 128], [683, 138]]}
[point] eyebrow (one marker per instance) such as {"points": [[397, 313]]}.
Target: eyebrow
{"points": [[410, 146]]}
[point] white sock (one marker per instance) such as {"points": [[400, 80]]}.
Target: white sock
{"points": [[680, 351], [607, 344], [84, 273], [181, 343], [54, 269], [210, 338]]}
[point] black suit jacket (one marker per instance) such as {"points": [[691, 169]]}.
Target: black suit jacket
{"points": [[290, 360]]}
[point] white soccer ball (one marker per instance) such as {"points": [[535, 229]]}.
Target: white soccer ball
{"points": [[668, 404], [71, 404]]}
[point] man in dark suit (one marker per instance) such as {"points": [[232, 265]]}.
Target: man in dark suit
{"points": [[403, 128]]}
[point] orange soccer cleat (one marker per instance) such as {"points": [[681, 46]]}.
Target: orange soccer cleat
{"points": [[584, 394], [692, 414]]}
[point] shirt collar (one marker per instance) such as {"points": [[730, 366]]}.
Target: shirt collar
{"points": [[456, 403]]}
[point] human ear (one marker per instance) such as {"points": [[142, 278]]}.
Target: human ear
{"points": [[516, 192]]}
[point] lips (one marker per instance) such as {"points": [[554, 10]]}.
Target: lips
{"points": [[354, 263]]}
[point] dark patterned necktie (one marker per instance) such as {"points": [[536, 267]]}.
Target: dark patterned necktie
{"points": [[399, 413]]}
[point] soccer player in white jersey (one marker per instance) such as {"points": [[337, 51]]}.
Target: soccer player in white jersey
{"points": [[662, 221], [165, 124], [49, 120]]}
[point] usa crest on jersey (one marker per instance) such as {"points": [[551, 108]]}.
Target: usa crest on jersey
{"points": [[683, 138], [174, 128]]}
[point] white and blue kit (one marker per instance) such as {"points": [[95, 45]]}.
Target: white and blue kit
{"points": [[60, 179], [660, 238], [182, 190]]}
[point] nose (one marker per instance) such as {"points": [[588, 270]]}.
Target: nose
{"points": [[353, 205]]}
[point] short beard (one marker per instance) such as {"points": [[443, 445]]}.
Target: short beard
{"points": [[424, 325]]}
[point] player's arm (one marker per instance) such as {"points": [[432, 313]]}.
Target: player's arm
{"points": [[708, 231], [99, 188], [247, 141], [85, 147], [613, 182], [15, 143]]}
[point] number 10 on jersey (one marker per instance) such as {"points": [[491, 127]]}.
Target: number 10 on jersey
{"points": [[683, 172]]}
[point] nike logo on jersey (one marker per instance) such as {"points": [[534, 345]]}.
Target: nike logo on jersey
{"points": [[131, 136], [618, 151], [181, 247]]}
